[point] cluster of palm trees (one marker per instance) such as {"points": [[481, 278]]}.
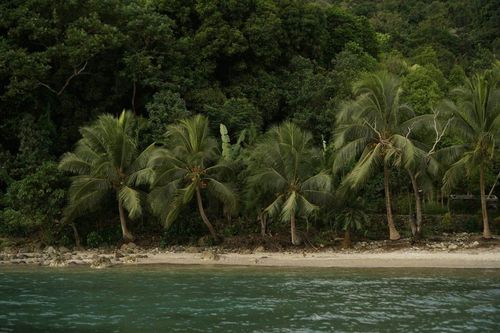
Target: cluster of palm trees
{"points": [[286, 176]]}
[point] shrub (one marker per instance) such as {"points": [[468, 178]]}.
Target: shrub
{"points": [[94, 239], [434, 208], [17, 224], [35, 201]]}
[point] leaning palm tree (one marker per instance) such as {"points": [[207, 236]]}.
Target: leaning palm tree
{"points": [[374, 129], [476, 121], [107, 160], [283, 165], [187, 165]]}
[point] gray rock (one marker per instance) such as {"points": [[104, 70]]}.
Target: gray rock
{"points": [[9, 250], [129, 248], [259, 249], [205, 241], [58, 262], [130, 259], [474, 244], [36, 247], [210, 255], [193, 249], [452, 247], [24, 249], [100, 263], [17, 256], [50, 250], [64, 249]]}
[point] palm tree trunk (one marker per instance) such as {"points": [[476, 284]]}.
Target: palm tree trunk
{"points": [[346, 242], [77, 236], [484, 210], [126, 234], [393, 233], [293, 230], [134, 90], [418, 206], [263, 223], [203, 215]]}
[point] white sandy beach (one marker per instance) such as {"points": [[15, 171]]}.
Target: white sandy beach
{"points": [[484, 258]]}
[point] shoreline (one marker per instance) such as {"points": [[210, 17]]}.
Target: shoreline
{"points": [[335, 259], [486, 258]]}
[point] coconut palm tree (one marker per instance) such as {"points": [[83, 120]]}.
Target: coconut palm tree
{"points": [[189, 164], [476, 121], [107, 160], [352, 218], [426, 166], [284, 164], [374, 129]]}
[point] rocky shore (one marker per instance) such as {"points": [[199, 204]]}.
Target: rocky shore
{"points": [[459, 250], [63, 257]]}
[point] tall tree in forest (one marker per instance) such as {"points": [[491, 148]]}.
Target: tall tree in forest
{"points": [[284, 165], [374, 128], [189, 164], [476, 121], [106, 159]]}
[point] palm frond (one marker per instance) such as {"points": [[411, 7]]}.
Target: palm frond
{"points": [[131, 201], [275, 207], [305, 207], [224, 192], [456, 173], [73, 163], [369, 161], [290, 207]]}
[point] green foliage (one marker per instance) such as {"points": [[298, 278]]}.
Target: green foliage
{"points": [[421, 91], [447, 218], [106, 160], [250, 65], [434, 208], [35, 202], [284, 173], [187, 165], [166, 107], [475, 121], [237, 114], [94, 240], [372, 129], [353, 216], [15, 223], [231, 151]]}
